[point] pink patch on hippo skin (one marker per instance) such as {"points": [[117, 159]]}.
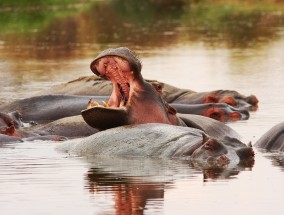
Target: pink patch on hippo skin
{"points": [[235, 116], [58, 138], [229, 100], [223, 160], [209, 145], [10, 131], [214, 113], [211, 99]]}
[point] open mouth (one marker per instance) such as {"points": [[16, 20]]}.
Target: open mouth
{"points": [[118, 71], [123, 94]]}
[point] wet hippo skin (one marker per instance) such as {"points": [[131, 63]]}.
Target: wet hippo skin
{"points": [[161, 140], [273, 139]]}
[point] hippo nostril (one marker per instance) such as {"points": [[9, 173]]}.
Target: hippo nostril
{"points": [[211, 99]]}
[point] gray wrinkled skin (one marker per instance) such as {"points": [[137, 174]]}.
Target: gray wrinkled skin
{"points": [[71, 127], [272, 140], [49, 107], [146, 140], [9, 139], [154, 140]]}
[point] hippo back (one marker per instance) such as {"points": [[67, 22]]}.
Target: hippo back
{"points": [[272, 140], [145, 140]]}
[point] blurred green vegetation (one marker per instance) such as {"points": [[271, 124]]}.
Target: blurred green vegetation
{"points": [[45, 25], [33, 15], [28, 3], [238, 22]]}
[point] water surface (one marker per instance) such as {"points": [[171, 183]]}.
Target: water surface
{"points": [[180, 45]]}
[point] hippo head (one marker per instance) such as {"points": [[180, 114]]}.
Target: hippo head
{"points": [[222, 153], [133, 100], [11, 119]]}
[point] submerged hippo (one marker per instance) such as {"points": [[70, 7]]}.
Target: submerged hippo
{"points": [[13, 129], [163, 141], [272, 140]]}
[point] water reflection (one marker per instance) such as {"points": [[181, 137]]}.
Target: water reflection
{"points": [[135, 183], [277, 159], [129, 197]]}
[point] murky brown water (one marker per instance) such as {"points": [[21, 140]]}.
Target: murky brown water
{"points": [[35, 179]]}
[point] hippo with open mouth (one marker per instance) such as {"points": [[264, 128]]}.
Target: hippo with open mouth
{"points": [[133, 100]]}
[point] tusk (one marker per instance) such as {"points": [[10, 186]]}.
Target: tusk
{"points": [[105, 104], [96, 104], [90, 104]]}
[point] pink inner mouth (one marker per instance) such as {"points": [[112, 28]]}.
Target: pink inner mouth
{"points": [[117, 70]]}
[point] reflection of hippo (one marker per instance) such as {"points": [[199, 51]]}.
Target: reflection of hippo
{"points": [[136, 181], [161, 140], [272, 140]]}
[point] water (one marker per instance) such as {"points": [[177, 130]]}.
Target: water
{"points": [[36, 179]]}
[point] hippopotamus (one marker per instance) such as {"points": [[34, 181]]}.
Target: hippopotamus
{"points": [[47, 108], [13, 129], [133, 100], [161, 141], [14, 118], [139, 122], [273, 139]]}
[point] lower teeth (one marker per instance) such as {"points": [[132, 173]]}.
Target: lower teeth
{"points": [[122, 102]]}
